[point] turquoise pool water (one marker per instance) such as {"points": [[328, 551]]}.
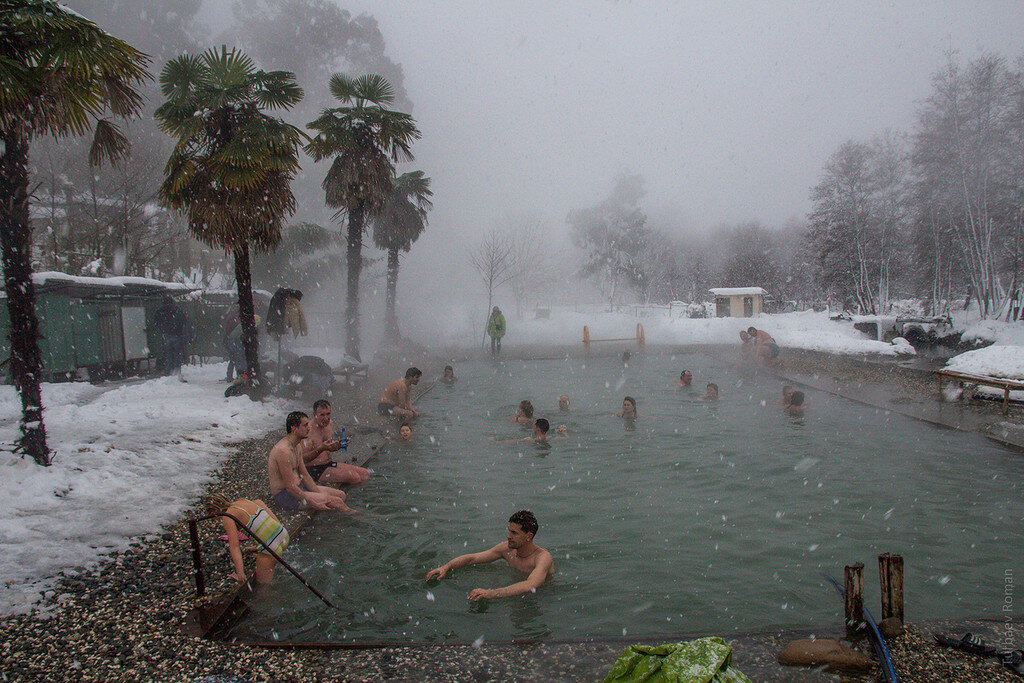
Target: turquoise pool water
{"points": [[699, 519]]}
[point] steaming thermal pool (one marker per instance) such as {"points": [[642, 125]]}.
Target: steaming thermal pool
{"points": [[704, 519]]}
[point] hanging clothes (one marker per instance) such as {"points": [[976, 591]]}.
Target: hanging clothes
{"points": [[295, 317], [277, 320]]}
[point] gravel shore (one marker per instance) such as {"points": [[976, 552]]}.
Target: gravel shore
{"points": [[127, 619]]}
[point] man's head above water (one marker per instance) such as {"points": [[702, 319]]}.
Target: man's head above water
{"points": [[522, 527]]}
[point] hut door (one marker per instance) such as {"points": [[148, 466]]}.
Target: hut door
{"points": [[111, 336], [748, 306], [722, 307]]}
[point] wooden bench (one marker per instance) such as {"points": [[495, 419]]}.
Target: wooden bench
{"points": [[963, 378], [351, 374]]}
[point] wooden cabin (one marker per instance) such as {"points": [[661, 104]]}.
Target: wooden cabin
{"points": [[738, 302]]}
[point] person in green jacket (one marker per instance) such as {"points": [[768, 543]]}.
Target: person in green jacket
{"points": [[496, 329]]}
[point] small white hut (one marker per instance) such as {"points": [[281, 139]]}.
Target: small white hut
{"points": [[738, 302]]}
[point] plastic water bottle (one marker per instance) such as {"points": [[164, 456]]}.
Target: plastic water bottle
{"points": [[344, 440]]}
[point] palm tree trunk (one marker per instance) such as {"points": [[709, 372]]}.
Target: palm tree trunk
{"points": [[246, 314], [390, 316], [355, 266], [16, 240]]}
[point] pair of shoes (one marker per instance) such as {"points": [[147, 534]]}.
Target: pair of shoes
{"points": [[970, 643]]}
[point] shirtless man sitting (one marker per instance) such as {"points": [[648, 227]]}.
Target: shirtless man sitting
{"points": [[290, 483], [518, 550], [395, 401], [317, 449]]}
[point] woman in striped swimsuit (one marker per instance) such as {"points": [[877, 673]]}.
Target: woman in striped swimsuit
{"points": [[259, 522]]}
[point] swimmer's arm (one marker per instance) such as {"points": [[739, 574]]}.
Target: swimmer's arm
{"points": [[231, 529], [532, 582], [491, 555]]}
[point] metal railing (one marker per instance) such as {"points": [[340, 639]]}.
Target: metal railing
{"points": [[197, 556]]}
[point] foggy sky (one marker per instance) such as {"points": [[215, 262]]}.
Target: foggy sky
{"points": [[728, 109]]}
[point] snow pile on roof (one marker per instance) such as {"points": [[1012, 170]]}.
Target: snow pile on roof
{"points": [[737, 291], [45, 276], [130, 458], [995, 361]]}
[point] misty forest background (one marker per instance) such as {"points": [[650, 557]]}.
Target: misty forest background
{"points": [[933, 214]]}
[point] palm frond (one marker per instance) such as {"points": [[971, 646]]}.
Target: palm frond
{"points": [[60, 71], [108, 141], [342, 87], [180, 75], [374, 88], [228, 67], [276, 90]]}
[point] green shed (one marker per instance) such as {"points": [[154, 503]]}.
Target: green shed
{"points": [[101, 325]]}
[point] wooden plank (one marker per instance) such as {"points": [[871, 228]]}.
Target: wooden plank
{"points": [[999, 382], [853, 576]]}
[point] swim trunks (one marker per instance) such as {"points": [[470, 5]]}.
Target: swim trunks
{"points": [[316, 471], [286, 501], [385, 408], [773, 350]]}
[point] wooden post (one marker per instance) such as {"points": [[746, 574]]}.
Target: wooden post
{"points": [[197, 559], [853, 576], [586, 336], [890, 580]]}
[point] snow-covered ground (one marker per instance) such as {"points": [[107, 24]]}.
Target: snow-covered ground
{"points": [[128, 460], [999, 360], [455, 326]]}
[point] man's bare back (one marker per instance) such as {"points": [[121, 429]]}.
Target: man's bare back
{"points": [[396, 393], [395, 400]]}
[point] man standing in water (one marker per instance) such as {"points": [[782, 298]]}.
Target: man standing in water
{"points": [[518, 550], [396, 401]]}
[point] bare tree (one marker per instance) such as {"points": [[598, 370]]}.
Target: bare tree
{"points": [[532, 266], [961, 161], [496, 261]]}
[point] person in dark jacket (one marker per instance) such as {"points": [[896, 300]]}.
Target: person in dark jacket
{"points": [[172, 322]]}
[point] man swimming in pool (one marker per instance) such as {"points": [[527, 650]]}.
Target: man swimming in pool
{"points": [[290, 483], [317, 449], [518, 550], [396, 399]]}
